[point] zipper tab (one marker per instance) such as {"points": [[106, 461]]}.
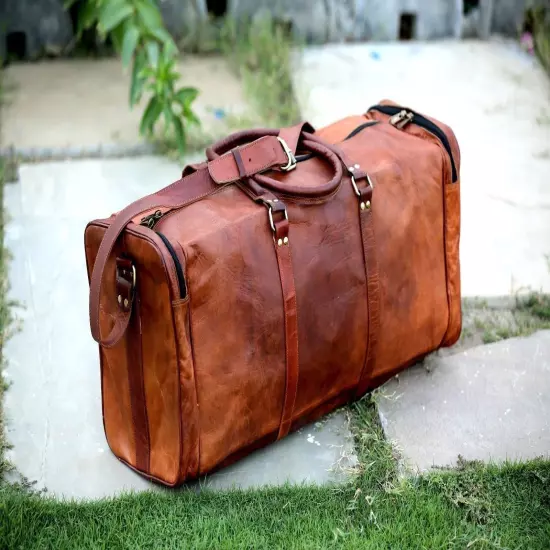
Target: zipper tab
{"points": [[151, 221], [401, 119]]}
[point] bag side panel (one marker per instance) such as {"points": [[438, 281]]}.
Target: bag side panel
{"points": [[160, 380], [236, 320], [408, 217], [189, 410]]}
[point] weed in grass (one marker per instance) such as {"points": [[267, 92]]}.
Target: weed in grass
{"points": [[537, 305], [261, 52]]}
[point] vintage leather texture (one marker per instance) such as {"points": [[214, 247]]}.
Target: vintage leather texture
{"points": [[280, 294]]}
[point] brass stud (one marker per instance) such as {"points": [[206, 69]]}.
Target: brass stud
{"points": [[280, 242], [285, 240], [368, 204], [126, 302], [119, 299]]}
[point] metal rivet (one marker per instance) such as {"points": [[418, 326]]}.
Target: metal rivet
{"points": [[275, 200], [119, 299], [356, 166], [280, 242], [126, 302], [362, 206], [285, 240], [368, 204], [351, 168]]}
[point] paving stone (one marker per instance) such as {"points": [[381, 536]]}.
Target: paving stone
{"points": [[53, 405], [82, 104], [488, 403], [495, 97]]}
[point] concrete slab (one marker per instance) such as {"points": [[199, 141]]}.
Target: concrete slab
{"points": [[53, 406], [495, 97], [489, 403], [82, 104]]}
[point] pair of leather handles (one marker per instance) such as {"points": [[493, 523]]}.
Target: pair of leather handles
{"points": [[301, 136], [178, 194]]}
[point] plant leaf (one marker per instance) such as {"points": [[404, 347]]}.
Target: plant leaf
{"points": [[180, 134], [137, 82], [117, 36], [150, 116], [113, 13], [163, 36], [149, 14], [87, 16], [186, 96], [191, 117], [152, 53], [131, 37], [68, 3]]}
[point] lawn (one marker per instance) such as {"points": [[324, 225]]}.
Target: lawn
{"points": [[473, 506]]}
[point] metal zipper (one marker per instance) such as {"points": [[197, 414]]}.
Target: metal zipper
{"points": [[401, 117], [179, 270], [151, 221]]}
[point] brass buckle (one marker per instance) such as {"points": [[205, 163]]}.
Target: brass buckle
{"points": [[270, 215], [354, 183], [291, 164]]}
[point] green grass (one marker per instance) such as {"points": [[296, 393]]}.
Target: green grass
{"points": [[473, 506], [261, 53]]}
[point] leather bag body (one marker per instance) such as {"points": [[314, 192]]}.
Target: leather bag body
{"points": [[289, 273]]}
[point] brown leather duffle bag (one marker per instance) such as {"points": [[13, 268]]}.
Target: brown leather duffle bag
{"points": [[290, 273]]}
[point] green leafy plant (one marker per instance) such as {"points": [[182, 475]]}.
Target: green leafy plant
{"points": [[137, 32]]}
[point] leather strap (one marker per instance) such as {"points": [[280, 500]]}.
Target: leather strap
{"points": [[286, 273], [136, 383], [291, 135], [365, 196], [262, 154]]}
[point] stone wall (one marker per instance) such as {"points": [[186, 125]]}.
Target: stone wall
{"points": [[45, 27], [40, 26], [348, 20]]}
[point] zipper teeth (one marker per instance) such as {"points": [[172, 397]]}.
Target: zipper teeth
{"points": [[423, 122], [177, 264]]}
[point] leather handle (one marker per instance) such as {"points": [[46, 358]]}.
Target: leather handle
{"points": [[294, 137], [291, 135]]}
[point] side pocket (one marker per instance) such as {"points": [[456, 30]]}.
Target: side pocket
{"points": [[190, 441], [452, 260]]}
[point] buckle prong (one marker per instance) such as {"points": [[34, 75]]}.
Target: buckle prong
{"points": [[291, 164]]}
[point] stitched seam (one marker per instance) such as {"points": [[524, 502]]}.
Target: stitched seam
{"points": [[190, 313]]}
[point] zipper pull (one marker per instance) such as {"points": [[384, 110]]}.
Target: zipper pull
{"points": [[401, 119], [151, 221]]}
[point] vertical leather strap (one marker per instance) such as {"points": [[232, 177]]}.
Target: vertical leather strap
{"points": [[286, 273], [365, 196], [137, 389]]}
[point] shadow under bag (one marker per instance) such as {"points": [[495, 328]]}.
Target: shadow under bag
{"points": [[290, 273]]}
